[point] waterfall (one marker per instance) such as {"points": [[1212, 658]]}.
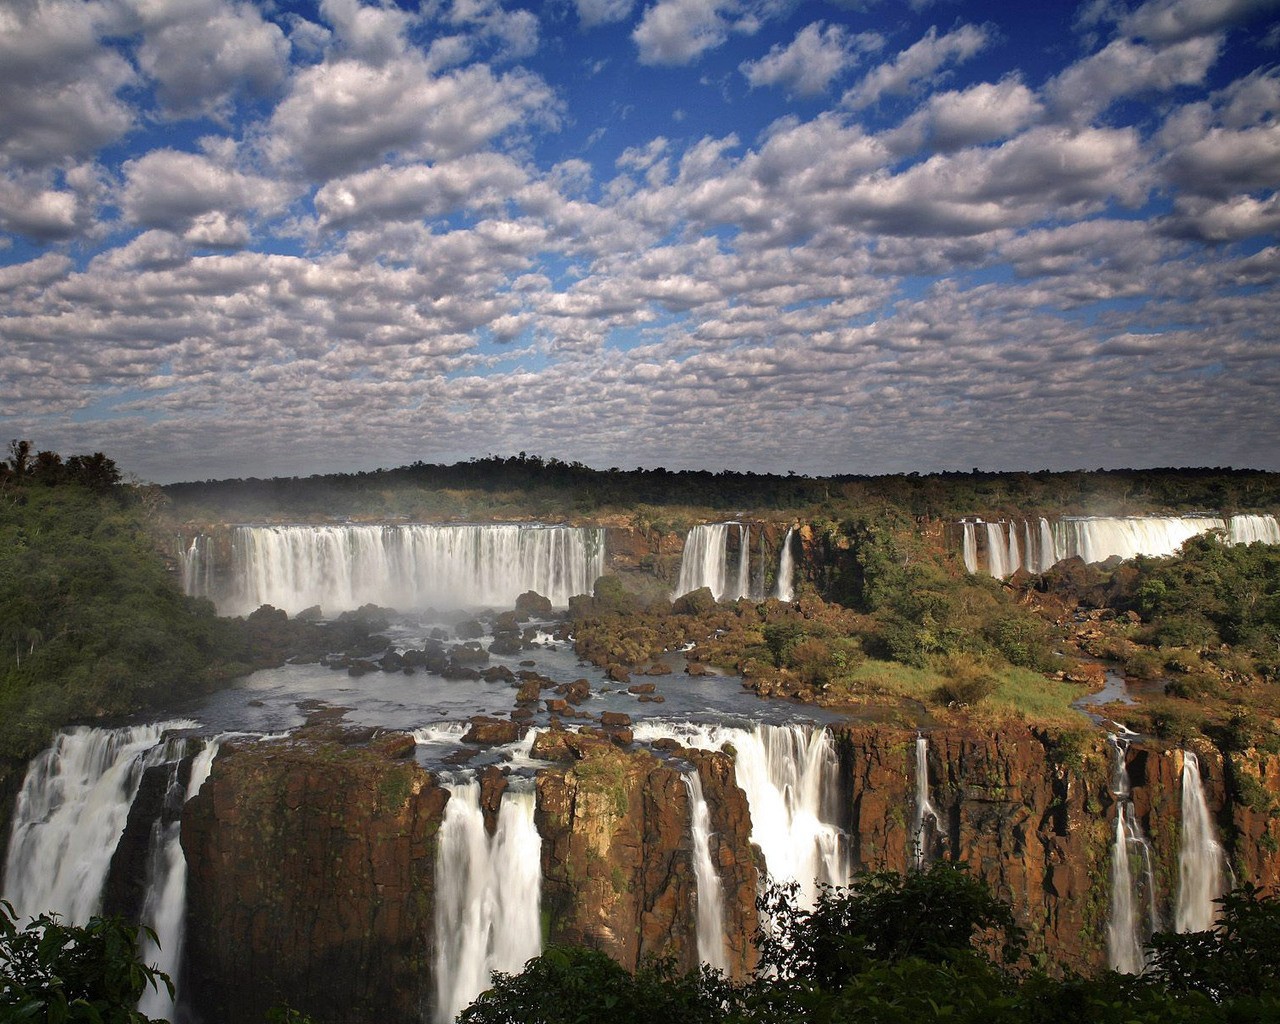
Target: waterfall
{"points": [[1015, 558], [488, 895], [1248, 529], [791, 779], [706, 877], [1097, 539], [997, 551], [407, 567], [1202, 863], [196, 562], [970, 546], [1048, 554], [164, 908], [705, 562], [1126, 932], [785, 589], [924, 809], [70, 814]]}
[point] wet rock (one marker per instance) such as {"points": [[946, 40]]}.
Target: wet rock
{"points": [[696, 602], [506, 646], [577, 691], [468, 654], [471, 629], [498, 674], [533, 605], [391, 662], [614, 719], [695, 668], [491, 731], [658, 668], [642, 688], [618, 674]]}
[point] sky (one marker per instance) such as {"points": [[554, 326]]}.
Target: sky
{"points": [[281, 238]]}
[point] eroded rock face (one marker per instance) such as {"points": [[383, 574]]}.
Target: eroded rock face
{"points": [[311, 868], [616, 860]]}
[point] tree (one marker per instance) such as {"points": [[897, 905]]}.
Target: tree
{"points": [[55, 972]]}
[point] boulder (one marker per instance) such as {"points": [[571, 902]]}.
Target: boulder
{"points": [[533, 605], [492, 731]]}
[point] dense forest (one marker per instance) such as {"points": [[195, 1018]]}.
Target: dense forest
{"points": [[526, 486]]}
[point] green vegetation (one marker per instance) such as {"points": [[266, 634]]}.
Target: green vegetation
{"points": [[91, 623], [63, 974], [895, 949]]}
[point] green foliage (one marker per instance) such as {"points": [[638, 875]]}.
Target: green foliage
{"points": [[53, 972], [569, 985]]}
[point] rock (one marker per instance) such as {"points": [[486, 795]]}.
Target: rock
{"points": [[391, 662], [506, 645], [471, 629], [530, 692], [498, 674], [642, 688], [533, 605], [455, 671], [493, 783], [577, 691], [492, 731], [658, 668], [507, 622], [557, 706], [696, 602], [312, 614], [614, 719], [618, 674], [695, 668], [466, 654], [414, 659], [622, 737]]}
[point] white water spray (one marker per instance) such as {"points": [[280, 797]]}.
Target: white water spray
{"points": [[785, 589], [1202, 863], [706, 877], [924, 810], [790, 777], [969, 548], [1126, 931], [488, 895]]}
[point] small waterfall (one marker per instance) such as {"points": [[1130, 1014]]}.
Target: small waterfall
{"points": [[707, 878], [1249, 529], [924, 810], [488, 895], [1048, 556], [1014, 562], [792, 782], [165, 906], [70, 814], [1202, 863], [970, 546], [407, 567], [785, 589], [1126, 931], [705, 562], [997, 551], [196, 562]]}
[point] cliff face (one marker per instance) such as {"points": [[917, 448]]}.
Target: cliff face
{"points": [[310, 881]]}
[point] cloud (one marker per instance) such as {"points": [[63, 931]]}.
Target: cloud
{"points": [[982, 113], [680, 31], [61, 85], [919, 61], [202, 53], [812, 61], [602, 12], [1125, 68], [344, 115], [170, 189], [1173, 21]]}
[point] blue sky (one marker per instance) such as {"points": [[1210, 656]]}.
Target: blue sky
{"points": [[283, 238]]}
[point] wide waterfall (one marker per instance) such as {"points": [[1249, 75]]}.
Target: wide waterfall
{"points": [[707, 878], [785, 589], [71, 812], [1126, 930], [1098, 538], [488, 895], [791, 780], [925, 812], [1202, 863], [409, 567]]}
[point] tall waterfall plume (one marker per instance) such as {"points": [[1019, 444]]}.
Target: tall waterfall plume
{"points": [[706, 877], [197, 565], [70, 814], [1126, 930], [411, 566], [925, 813], [488, 895], [785, 587], [791, 779], [705, 562], [1202, 863]]}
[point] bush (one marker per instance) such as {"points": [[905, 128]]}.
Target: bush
{"points": [[968, 680]]}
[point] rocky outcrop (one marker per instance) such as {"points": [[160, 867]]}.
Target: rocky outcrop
{"points": [[616, 863], [311, 869]]}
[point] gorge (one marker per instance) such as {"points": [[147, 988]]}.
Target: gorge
{"points": [[370, 839]]}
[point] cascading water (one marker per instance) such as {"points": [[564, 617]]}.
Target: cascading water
{"points": [[791, 779], [1046, 556], [1126, 931], [705, 562], [997, 551], [1014, 562], [196, 562], [1202, 863], [925, 812], [70, 814], [707, 878], [1249, 529], [407, 567], [970, 546], [165, 905], [785, 589], [488, 895]]}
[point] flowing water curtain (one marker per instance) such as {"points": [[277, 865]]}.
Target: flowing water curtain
{"points": [[1203, 867], [488, 894], [1132, 877], [710, 895], [925, 812], [704, 560], [785, 585]]}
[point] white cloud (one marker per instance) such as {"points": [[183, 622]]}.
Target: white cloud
{"points": [[680, 31], [602, 12], [982, 113], [808, 65], [1125, 68], [203, 52], [920, 61], [1172, 21], [170, 189], [29, 208]]}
